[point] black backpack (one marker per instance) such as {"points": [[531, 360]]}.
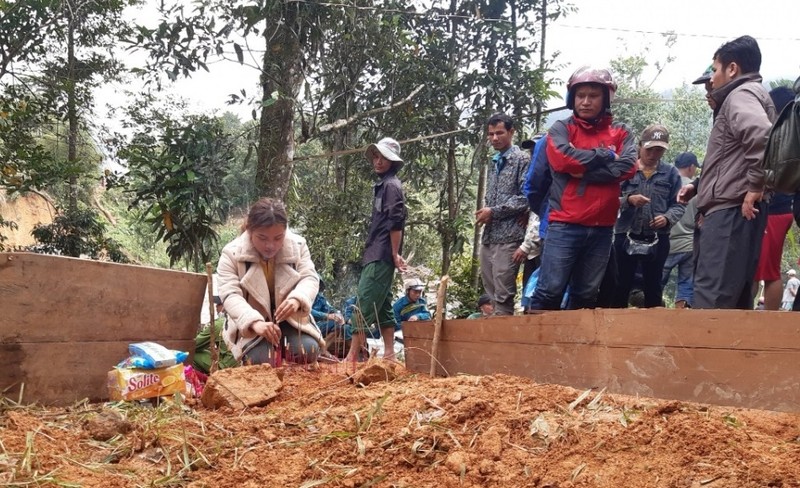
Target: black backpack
{"points": [[782, 155]]}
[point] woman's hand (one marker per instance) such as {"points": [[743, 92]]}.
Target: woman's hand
{"points": [[268, 330], [286, 309]]}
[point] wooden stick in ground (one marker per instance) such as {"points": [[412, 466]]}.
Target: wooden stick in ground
{"points": [[212, 314], [437, 327]]}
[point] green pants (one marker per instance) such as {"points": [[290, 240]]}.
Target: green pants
{"points": [[374, 305], [202, 351]]}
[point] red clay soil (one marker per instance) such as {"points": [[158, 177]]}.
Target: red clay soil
{"points": [[465, 431]]}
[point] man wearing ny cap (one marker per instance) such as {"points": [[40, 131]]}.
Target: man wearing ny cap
{"points": [[681, 238], [382, 253], [648, 209], [504, 215], [729, 193], [411, 306]]}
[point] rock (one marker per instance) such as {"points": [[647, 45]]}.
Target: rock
{"points": [[455, 397], [491, 443], [243, 387], [456, 462], [376, 371], [105, 425]]}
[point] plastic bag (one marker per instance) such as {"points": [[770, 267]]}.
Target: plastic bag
{"points": [[150, 355]]}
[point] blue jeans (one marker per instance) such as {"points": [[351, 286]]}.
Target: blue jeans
{"points": [[576, 255], [685, 286]]}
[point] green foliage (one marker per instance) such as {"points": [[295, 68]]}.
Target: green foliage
{"points": [[24, 26], [460, 292], [76, 233], [135, 235], [26, 163], [177, 180], [688, 119], [5, 224], [685, 114]]}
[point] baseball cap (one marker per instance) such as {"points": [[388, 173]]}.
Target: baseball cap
{"points": [[705, 77], [413, 284], [483, 300], [655, 136], [791, 272], [686, 159]]}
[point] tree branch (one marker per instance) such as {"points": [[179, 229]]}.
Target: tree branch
{"points": [[345, 122]]}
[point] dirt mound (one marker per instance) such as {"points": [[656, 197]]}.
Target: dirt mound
{"points": [[26, 211], [466, 431]]}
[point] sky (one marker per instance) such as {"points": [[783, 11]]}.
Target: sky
{"points": [[603, 30], [599, 31]]}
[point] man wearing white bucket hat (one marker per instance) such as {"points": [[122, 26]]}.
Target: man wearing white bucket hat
{"points": [[382, 253]]}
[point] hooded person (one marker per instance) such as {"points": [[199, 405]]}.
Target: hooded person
{"points": [[589, 155], [382, 251]]}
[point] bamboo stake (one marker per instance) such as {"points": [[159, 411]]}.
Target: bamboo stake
{"points": [[437, 328], [212, 314]]}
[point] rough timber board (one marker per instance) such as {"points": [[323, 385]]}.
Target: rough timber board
{"points": [[53, 306], [62, 373], [726, 357]]}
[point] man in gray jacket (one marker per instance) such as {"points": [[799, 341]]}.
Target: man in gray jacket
{"points": [[729, 197], [504, 215]]}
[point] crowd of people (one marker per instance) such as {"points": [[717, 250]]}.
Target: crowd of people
{"points": [[590, 211]]}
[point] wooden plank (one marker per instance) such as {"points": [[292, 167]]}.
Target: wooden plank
{"points": [[53, 298], [67, 321], [711, 356], [63, 373]]}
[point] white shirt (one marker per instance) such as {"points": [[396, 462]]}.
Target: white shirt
{"points": [[790, 290]]}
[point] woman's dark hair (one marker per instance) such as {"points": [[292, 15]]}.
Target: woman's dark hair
{"points": [[265, 213]]}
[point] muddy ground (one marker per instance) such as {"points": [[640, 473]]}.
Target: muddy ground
{"points": [[464, 431]]}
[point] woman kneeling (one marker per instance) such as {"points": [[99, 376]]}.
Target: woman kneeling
{"points": [[267, 283]]}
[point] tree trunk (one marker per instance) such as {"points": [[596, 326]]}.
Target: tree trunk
{"points": [[449, 231], [478, 159], [72, 111], [282, 76], [541, 63]]}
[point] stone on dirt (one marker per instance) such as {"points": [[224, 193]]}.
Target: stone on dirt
{"points": [[105, 425], [376, 371], [244, 387]]}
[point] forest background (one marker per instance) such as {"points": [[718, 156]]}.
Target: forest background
{"points": [[152, 180]]}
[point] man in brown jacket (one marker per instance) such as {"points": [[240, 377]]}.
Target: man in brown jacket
{"points": [[732, 215]]}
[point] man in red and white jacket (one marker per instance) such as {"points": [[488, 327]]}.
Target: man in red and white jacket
{"points": [[589, 155]]}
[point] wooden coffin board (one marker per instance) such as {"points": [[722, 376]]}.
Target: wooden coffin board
{"points": [[725, 357], [65, 322]]}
